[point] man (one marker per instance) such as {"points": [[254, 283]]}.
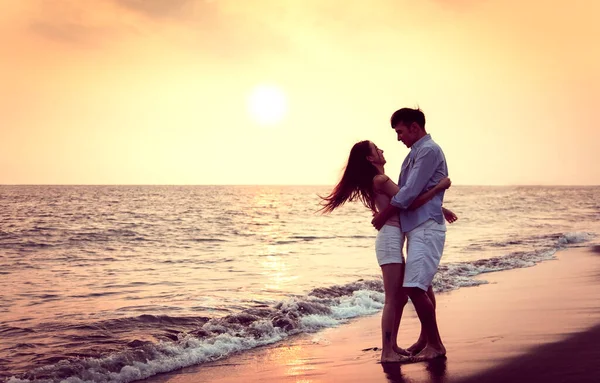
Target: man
{"points": [[424, 227]]}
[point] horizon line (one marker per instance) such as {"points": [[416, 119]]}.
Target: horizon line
{"points": [[328, 185]]}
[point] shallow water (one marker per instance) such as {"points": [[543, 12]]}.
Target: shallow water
{"points": [[99, 279]]}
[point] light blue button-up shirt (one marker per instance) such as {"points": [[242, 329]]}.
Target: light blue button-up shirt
{"points": [[423, 168]]}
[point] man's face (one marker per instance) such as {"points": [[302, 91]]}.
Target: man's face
{"points": [[407, 134]]}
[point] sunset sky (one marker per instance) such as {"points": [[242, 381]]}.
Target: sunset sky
{"points": [[158, 91]]}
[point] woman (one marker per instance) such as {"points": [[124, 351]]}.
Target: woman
{"points": [[364, 179]]}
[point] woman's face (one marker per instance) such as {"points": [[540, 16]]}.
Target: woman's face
{"points": [[376, 157]]}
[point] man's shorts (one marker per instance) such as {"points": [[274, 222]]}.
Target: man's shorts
{"points": [[424, 248], [388, 245]]}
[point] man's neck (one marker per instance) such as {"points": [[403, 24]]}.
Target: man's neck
{"points": [[420, 137]]}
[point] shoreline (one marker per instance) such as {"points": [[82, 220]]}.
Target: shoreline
{"points": [[539, 323]]}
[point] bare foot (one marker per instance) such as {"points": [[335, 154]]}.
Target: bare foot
{"points": [[417, 347], [401, 351], [392, 358], [429, 353], [405, 359]]}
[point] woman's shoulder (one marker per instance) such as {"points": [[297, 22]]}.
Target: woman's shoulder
{"points": [[379, 180]]}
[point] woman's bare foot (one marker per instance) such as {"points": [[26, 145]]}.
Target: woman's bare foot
{"points": [[401, 351], [392, 357], [417, 347]]}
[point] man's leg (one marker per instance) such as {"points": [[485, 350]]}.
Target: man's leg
{"points": [[426, 312], [422, 341], [424, 250]]}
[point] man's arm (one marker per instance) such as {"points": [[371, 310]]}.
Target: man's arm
{"points": [[388, 187], [422, 199], [423, 169]]}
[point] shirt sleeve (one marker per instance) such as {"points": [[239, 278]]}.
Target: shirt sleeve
{"points": [[420, 174]]}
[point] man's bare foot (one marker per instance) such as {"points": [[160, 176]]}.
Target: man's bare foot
{"points": [[417, 347], [429, 353], [401, 351]]}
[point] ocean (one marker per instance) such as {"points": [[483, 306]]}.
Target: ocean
{"points": [[120, 283]]}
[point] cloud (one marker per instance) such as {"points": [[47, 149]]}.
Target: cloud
{"points": [[65, 32], [90, 23], [459, 5], [160, 8], [81, 23]]}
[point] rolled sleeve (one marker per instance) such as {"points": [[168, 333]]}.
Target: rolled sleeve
{"points": [[426, 161]]}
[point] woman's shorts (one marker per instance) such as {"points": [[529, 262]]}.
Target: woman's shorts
{"points": [[388, 245]]}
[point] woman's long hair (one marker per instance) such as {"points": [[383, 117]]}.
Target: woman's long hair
{"points": [[357, 181]]}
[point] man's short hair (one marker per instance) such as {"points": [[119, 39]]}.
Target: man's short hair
{"points": [[407, 116]]}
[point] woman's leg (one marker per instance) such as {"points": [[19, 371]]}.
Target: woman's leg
{"points": [[393, 274], [401, 300]]}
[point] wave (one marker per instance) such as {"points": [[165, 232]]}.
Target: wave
{"points": [[555, 240], [198, 340]]}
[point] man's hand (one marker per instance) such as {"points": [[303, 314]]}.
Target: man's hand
{"points": [[449, 215]]}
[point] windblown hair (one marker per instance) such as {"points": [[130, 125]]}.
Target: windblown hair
{"points": [[407, 116], [356, 183]]}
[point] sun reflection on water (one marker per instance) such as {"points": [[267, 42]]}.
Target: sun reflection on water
{"points": [[274, 237], [277, 271], [296, 361]]}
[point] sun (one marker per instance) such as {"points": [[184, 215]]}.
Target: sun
{"points": [[267, 105]]}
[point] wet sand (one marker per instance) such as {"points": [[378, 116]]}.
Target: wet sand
{"points": [[535, 324]]}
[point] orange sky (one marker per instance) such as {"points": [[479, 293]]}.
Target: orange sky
{"points": [[155, 91]]}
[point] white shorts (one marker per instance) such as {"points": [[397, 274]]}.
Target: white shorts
{"points": [[388, 245], [424, 248]]}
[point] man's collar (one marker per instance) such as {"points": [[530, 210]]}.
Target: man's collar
{"points": [[421, 141]]}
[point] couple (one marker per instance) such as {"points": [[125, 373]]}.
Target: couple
{"points": [[410, 211]]}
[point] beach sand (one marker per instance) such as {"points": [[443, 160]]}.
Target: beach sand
{"points": [[535, 324]]}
